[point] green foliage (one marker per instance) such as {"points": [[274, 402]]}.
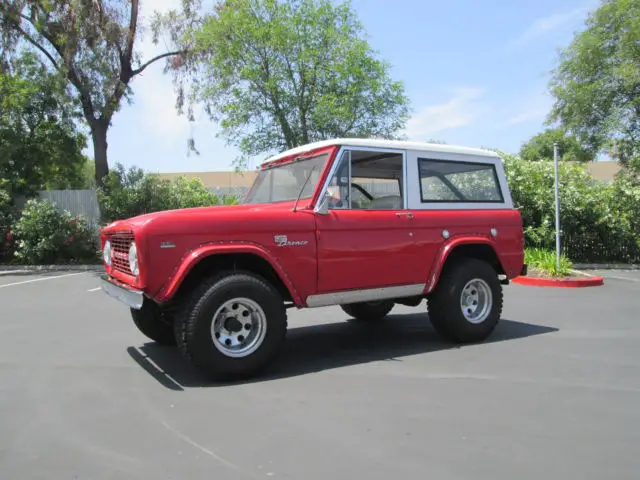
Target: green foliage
{"points": [[128, 193], [540, 147], [40, 147], [7, 217], [544, 262], [190, 193], [45, 235], [596, 83], [625, 198], [596, 219], [91, 45], [277, 74]]}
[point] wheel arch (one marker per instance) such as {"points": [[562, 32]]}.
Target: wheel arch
{"points": [[480, 248], [202, 263]]}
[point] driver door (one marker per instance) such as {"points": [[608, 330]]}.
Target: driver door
{"points": [[363, 242]]}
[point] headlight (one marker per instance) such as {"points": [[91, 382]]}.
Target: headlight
{"points": [[106, 253], [133, 259]]}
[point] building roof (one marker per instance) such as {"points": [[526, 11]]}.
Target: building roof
{"points": [[392, 144]]}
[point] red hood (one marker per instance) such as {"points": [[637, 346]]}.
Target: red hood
{"points": [[202, 219]]}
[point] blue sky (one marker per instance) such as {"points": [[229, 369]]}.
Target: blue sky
{"points": [[476, 73]]}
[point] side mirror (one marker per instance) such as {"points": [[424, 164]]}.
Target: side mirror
{"points": [[323, 206]]}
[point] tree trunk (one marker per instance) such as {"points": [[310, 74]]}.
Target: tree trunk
{"points": [[99, 137]]}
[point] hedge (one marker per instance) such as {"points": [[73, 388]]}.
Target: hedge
{"points": [[599, 222]]}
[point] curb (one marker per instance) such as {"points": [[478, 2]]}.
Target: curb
{"points": [[591, 281], [9, 269]]}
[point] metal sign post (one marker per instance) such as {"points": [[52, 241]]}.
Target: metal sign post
{"points": [[557, 193]]}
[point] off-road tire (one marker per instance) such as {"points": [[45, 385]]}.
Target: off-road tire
{"points": [[192, 329], [368, 311], [154, 323], [445, 310]]}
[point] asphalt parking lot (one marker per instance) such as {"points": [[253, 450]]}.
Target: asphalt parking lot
{"points": [[554, 394]]}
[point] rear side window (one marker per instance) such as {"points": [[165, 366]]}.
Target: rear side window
{"points": [[462, 182]]}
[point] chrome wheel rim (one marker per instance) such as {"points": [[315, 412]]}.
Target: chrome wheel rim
{"points": [[476, 301], [238, 327]]}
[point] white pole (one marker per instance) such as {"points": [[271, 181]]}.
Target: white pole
{"points": [[557, 193]]}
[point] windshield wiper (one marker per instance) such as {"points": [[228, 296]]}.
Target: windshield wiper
{"points": [[295, 206]]}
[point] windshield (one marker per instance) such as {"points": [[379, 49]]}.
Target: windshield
{"points": [[283, 183]]}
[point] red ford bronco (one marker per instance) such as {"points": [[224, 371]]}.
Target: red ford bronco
{"points": [[363, 224]]}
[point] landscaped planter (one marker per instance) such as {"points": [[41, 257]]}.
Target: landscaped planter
{"points": [[576, 280]]}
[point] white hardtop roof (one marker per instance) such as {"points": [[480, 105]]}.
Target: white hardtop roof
{"points": [[392, 144]]}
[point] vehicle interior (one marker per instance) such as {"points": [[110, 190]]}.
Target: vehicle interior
{"points": [[376, 182]]}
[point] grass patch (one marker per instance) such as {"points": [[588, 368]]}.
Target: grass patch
{"points": [[543, 262]]}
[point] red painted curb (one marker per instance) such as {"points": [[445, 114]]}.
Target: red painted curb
{"points": [[560, 282]]}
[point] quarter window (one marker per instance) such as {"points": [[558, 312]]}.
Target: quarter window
{"points": [[461, 182]]}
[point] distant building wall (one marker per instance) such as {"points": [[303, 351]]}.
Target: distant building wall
{"points": [[241, 181], [216, 179], [603, 171]]}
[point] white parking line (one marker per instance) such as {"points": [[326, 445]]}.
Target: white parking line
{"points": [[94, 289], [41, 279], [627, 279]]}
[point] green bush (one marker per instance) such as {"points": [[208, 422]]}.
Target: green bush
{"points": [[598, 221], [544, 261], [128, 193], [7, 216], [45, 235]]}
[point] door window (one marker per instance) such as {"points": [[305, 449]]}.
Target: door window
{"points": [[367, 180]]}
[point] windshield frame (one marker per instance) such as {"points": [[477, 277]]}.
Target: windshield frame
{"points": [[288, 162]]}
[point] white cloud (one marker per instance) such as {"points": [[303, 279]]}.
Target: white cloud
{"points": [[533, 107], [542, 26], [462, 109], [527, 115], [155, 99]]}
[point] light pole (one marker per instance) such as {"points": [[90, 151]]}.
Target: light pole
{"points": [[557, 193]]}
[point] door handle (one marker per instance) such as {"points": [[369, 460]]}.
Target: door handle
{"points": [[404, 214]]}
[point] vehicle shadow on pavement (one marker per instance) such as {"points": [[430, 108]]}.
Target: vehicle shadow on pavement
{"points": [[316, 348]]}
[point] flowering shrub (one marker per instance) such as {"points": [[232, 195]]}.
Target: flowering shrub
{"points": [[7, 215], [598, 221], [45, 235]]}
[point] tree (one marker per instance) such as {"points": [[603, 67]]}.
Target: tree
{"points": [[597, 82], [540, 147], [280, 73], [40, 146], [90, 43]]}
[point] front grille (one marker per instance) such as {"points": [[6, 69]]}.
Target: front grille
{"points": [[120, 244]]}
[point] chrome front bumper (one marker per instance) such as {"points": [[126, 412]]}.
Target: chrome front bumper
{"points": [[130, 297]]}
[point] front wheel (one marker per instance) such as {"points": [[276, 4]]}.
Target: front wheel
{"points": [[467, 302], [368, 311], [233, 327], [154, 323]]}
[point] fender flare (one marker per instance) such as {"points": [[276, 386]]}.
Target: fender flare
{"points": [[446, 249], [192, 258]]}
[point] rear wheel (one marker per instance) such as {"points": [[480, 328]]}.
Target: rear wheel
{"points": [[467, 302], [154, 323], [233, 327], [368, 311]]}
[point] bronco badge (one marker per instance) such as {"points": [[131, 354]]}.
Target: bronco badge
{"points": [[283, 241]]}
